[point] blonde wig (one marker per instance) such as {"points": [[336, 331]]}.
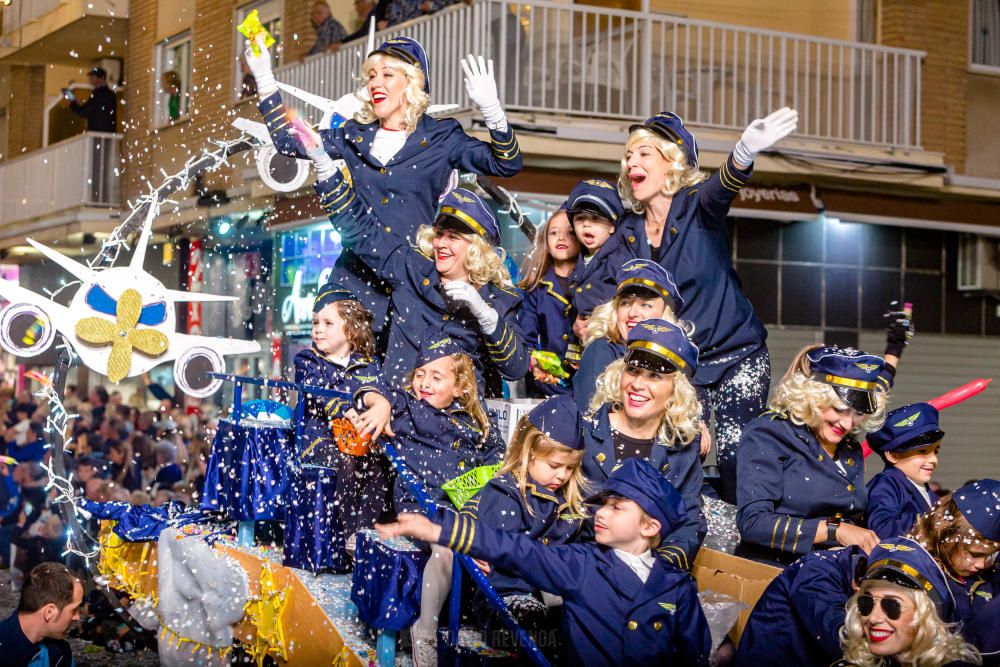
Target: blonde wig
{"points": [[603, 322], [483, 261], [414, 97], [529, 443], [468, 392], [682, 419], [679, 174], [804, 399], [934, 643], [944, 529], [540, 260]]}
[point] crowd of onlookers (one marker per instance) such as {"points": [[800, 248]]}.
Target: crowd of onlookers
{"points": [[118, 451]]}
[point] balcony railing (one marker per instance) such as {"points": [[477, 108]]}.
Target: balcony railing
{"points": [[604, 63], [81, 171]]}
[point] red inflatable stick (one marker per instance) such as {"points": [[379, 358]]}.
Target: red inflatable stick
{"points": [[953, 397]]}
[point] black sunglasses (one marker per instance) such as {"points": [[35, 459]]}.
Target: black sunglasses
{"points": [[891, 607]]}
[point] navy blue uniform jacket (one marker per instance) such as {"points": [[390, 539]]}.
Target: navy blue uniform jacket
{"points": [[695, 249], [595, 359], [500, 505], [437, 446], [610, 617], [404, 193], [678, 463], [894, 503], [416, 297], [360, 374], [981, 628], [788, 484], [544, 321], [594, 282], [797, 619]]}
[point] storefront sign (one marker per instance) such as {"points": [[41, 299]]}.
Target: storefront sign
{"points": [[305, 260]]}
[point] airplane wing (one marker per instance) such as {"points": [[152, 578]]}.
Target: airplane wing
{"points": [[224, 346], [79, 271], [256, 130], [180, 296]]}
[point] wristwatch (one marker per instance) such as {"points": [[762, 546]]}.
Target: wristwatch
{"points": [[832, 524]]}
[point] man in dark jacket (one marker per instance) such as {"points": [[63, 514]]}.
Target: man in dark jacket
{"points": [[101, 109], [35, 633]]}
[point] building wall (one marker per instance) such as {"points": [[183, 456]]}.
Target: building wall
{"points": [[942, 30], [982, 138], [24, 108]]}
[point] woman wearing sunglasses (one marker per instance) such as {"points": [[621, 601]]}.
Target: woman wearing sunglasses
{"points": [[900, 614]]}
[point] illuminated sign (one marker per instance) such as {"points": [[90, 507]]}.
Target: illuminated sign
{"points": [[305, 260]]}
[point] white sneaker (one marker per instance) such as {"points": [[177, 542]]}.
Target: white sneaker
{"points": [[424, 649]]}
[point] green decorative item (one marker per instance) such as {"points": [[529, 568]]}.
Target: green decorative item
{"points": [[461, 489], [550, 363]]}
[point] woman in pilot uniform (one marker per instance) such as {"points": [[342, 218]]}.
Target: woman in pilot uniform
{"points": [[645, 290], [401, 160], [645, 407], [800, 466], [454, 278]]}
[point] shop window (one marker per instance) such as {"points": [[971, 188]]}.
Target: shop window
{"points": [[760, 284], [801, 296], [803, 241], [985, 38], [757, 239], [923, 290], [270, 13], [841, 287], [173, 93], [878, 288], [882, 246]]}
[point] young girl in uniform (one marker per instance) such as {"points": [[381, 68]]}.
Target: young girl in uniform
{"points": [[442, 431], [545, 315], [339, 359], [539, 492]]}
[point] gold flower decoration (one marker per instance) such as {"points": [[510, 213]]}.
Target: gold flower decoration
{"points": [[122, 335]]}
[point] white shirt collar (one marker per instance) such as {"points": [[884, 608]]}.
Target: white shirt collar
{"points": [[641, 564]]}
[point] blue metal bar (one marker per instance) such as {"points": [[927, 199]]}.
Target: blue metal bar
{"points": [[528, 645]]}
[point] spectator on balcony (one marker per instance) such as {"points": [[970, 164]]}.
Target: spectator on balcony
{"points": [[368, 10], [329, 32], [399, 11], [102, 107]]}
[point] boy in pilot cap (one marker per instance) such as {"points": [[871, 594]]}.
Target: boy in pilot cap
{"points": [[622, 605]]}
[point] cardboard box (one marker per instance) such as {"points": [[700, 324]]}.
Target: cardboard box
{"points": [[741, 578], [508, 411]]}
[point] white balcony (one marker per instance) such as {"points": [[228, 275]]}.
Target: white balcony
{"points": [[63, 31], [60, 182], [596, 63]]}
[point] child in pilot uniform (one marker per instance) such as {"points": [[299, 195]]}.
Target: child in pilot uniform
{"points": [[622, 605]]}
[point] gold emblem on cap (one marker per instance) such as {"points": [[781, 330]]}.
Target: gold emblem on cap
{"points": [[908, 421], [637, 266], [867, 368]]}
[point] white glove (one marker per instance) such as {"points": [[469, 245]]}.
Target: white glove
{"points": [[461, 293], [764, 133], [482, 89], [260, 67], [312, 145]]}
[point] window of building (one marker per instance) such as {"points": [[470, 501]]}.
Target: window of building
{"points": [[270, 13], [172, 96], [840, 276], [985, 38]]}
